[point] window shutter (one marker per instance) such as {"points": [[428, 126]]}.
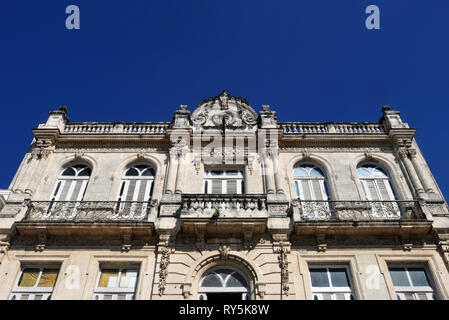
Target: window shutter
{"points": [[231, 186], [317, 191], [77, 190], [370, 190], [65, 190], [216, 186], [306, 195], [131, 190]]}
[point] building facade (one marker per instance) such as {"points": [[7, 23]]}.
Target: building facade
{"points": [[224, 204]]}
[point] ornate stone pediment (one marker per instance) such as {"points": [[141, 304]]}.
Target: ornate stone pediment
{"points": [[224, 111]]}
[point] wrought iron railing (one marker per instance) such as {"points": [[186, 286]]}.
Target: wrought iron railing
{"points": [[89, 211], [357, 210], [224, 205]]}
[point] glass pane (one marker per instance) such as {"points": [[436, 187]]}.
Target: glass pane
{"points": [[299, 172], [132, 172], [379, 172], [212, 280], [319, 278], [232, 172], [29, 277], [141, 167], [48, 278], [339, 277], [315, 172], [148, 172], [85, 173], [419, 277], [236, 280], [128, 279], [108, 278], [216, 172], [362, 172], [399, 277], [69, 172]]}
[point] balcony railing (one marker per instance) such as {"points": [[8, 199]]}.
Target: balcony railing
{"points": [[332, 128], [356, 210], [224, 205], [89, 211], [110, 128]]}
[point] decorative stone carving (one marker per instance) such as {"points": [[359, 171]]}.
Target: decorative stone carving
{"points": [[41, 241], [163, 269], [224, 111], [283, 264], [224, 251]]}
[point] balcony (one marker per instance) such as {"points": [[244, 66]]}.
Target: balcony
{"points": [[93, 219], [216, 206], [224, 215], [370, 217], [89, 211]]}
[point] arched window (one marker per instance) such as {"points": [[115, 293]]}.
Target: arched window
{"points": [[310, 183], [136, 189], [223, 284], [72, 183], [376, 183], [137, 183]]}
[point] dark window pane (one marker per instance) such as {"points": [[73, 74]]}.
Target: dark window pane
{"points": [[69, 172], [319, 278], [148, 172], [419, 277], [212, 280], [339, 277], [216, 173], [236, 280], [399, 277], [132, 172], [85, 173]]}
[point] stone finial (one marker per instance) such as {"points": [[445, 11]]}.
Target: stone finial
{"points": [[386, 108], [63, 109]]}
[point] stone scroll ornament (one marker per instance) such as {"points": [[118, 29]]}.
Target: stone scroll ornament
{"points": [[163, 269], [224, 111]]}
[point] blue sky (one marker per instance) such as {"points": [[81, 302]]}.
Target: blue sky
{"points": [[311, 60]]}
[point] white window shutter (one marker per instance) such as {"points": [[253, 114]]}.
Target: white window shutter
{"points": [[231, 186]]}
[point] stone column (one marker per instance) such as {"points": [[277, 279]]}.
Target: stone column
{"points": [[425, 182], [268, 172], [276, 171], [410, 170], [182, 157], [172, 171]]}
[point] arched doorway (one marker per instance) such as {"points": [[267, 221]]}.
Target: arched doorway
{"points": [[223, 283]]}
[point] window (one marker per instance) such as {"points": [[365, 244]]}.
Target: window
{"points": [[331, 283], [35, 283], [311, 189], [224, 181], [223, 283], [377, 189], [72, 183], [116, 284], [412, 283], [135, 190]]}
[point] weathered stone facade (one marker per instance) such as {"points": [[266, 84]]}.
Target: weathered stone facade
{"points": [[265, 232]]}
